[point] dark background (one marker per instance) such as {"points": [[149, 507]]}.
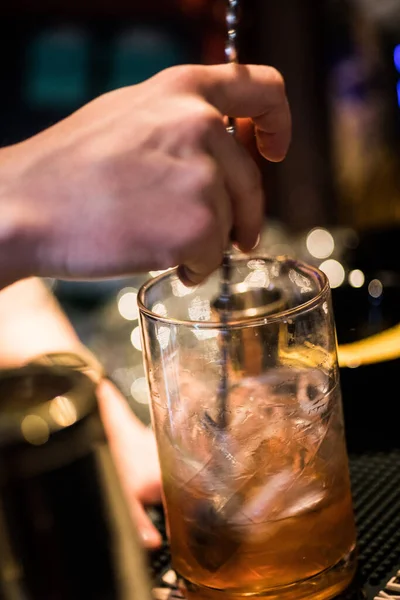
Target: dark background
{"points": [[342, 172], [337, 58], [341, 175]]}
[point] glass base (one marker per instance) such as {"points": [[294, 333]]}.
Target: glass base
{"points": [[324, 586]]}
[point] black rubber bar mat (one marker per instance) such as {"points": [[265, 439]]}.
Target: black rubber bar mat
{"points": [[376, 493]]}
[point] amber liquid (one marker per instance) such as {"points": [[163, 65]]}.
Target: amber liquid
{"points": [[265, 505], [281, 553]]}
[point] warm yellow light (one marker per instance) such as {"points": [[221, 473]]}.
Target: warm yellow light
{"points": [[35, 430], [334, 271], [356, 278], [320, 243], [62, 411]]}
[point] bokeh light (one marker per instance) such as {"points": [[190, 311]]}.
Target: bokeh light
{"points": [[356, 278], [140, 391], [375, 288], [127, 304], [334, 271], [35, 430], [320, 243], [63, 411], [396, 57], [136, 340]]}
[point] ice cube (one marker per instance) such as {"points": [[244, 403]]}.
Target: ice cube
{"points": [[313, 392], [265, 503], [299, 502]]}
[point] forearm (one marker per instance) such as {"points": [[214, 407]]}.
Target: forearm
{"points": [[32, 323]]}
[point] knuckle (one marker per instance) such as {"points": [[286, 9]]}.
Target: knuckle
{"points": [[204, 174], [183, 77], [203, 119], [201, 228], [277, 79], [204, 224]]}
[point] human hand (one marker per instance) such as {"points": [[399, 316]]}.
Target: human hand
{"points": [[134, 452], [145, 177]]}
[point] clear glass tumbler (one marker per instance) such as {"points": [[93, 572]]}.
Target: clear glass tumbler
{"points": [[256, 482]]}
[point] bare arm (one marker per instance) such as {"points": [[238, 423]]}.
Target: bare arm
{"points": [[32, 323]]}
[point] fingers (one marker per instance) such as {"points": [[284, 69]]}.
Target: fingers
{"points": [[241, 91], [205, 261], [213, 234], [150, 536], [235, 200], [254, 91], [273, 132], [243, 181], [210, 93], [129, 442]]}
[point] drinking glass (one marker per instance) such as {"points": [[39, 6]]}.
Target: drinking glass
{"points": [[256, 483]]}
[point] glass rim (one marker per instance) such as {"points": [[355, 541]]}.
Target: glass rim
{"points": [[249, 321]]}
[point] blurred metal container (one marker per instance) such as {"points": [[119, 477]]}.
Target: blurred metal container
{"points": [[254, 347], [65, 531]]}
